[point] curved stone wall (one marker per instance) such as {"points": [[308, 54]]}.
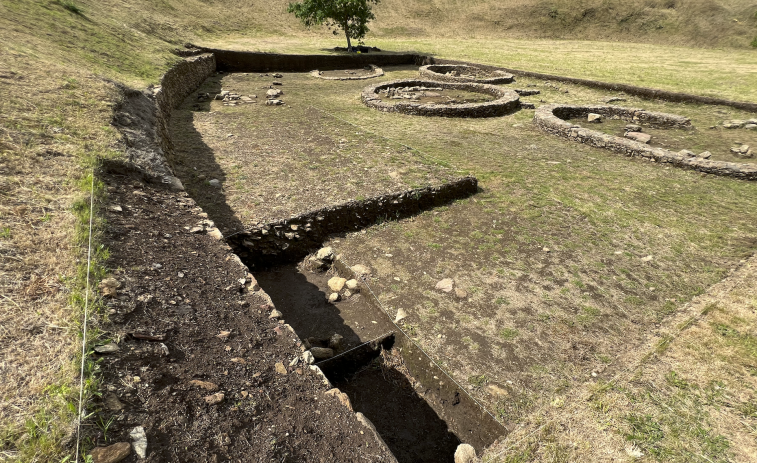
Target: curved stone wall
{"points": [[550, 118], [376, 72], [439, 72], [506, 101]]}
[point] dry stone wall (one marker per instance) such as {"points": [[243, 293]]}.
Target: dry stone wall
{"points": [[445, 73], [506, 102], [375, 72], [550, 118]]}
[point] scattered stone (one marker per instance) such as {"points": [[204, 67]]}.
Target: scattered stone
{"points": [[111, 454], [647, 258], [352, 285], [687, 153], [294, 362], [337, 283], [109, 287], [633, 128], [742, 151], [334, 297], [460, 293], [343, 398], [335, 342], [280, 368], [593, 117], [445, 285], [325, 254], [704, 155], [139, 442], [273, 93], [465, 453], [401, 313], [107, 348], [215, 183], [751, 126], [614, 99], [546, 249], [496, 391], [223, 335], [308, 357], [639, 137], [361, 270], [214, 399], [322, 352], [275, 314], [277, 76], [215, 233], [207, 385], [115, 208], [112, 402], [734, 124], [274, 103]]}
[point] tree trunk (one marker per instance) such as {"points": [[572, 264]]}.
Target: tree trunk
{"points": [[347, 33]]}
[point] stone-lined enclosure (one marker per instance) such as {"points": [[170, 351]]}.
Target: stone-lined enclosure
{"points": [[456, 73], [375, 72], [551, 118], [506, 101]]}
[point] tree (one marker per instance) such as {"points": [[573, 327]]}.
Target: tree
{"points": [[351, 16]]}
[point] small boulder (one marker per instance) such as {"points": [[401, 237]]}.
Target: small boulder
{"points": [[274, 103], [214, 399], [139, 442], [639, 137], [321, 353], [704, 155], [215, 183], [325, 254], [401, 313], [633, 128], [361, 270], [465, 453], [334, 297], [275, 314], [308, 357], [352, 285], [273, 93], [751, 126], [109, 348], [111, 454], [593, 117], [445, 285], [687, 153], [337, 283], [277, 76]]}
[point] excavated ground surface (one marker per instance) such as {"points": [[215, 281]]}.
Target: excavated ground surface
{"points": [[276, 162], [184, 289], [568, 260]]}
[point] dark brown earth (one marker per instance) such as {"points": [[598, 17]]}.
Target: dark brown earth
{"points": [[183, 290]]}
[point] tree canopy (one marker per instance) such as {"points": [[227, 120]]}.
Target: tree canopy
{"points": [[351, 16]]}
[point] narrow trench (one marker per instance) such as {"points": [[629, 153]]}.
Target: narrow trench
{"points": [[375, 376]]}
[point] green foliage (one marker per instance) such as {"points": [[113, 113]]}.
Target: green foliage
{"points": [[351, 16], [754, 42]]}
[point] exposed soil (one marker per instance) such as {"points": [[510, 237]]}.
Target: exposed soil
{"points": [[717, 141], [433, 95], [184, 290]]}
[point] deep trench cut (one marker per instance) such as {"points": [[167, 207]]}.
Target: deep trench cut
{"points": [[417, 409]]}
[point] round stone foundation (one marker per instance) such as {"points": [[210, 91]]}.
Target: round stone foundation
{"points": [[375, 72], [461, 73], [505, 101], [551, 118]]}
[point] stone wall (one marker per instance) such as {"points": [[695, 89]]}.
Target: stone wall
{"points": [[293, 238], [376, 72], [506, 102], [643, 92], [439, 72], [243, 61], [550, 119]]}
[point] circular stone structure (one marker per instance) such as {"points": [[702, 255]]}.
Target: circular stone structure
{"points": [[505, 101], [375, 72], [457, 73], [552, 118]]}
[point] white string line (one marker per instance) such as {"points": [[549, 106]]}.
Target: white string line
{"points": [[86, 312], [381, 306], [356, 347]]}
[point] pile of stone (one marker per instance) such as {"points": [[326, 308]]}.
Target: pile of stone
{"points": [[742, 151], [634, 132], [411, 93], [750, 124], [228, 97]]}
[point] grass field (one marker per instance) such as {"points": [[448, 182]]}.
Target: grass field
{"points": [[60, 62]]}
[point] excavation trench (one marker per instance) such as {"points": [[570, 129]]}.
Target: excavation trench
{"points": [[417, 409]]}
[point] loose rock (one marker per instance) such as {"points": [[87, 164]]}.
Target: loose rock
{"points": [[111, 454], [112, 403], [139, 442], [109, 287], [343, 398], [593, 117], [361, 270], [208, 386], [275, 314], [401, 313], [215, 182], [214, 399], [704, 155], [445, 285], [335, 342], [465, 453], [334, 297], [638, 136], [280, 368], [337, 283], [325, 254], [274, 103], [461, 293], [322, 352], [352, 285], [107, 348]]}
